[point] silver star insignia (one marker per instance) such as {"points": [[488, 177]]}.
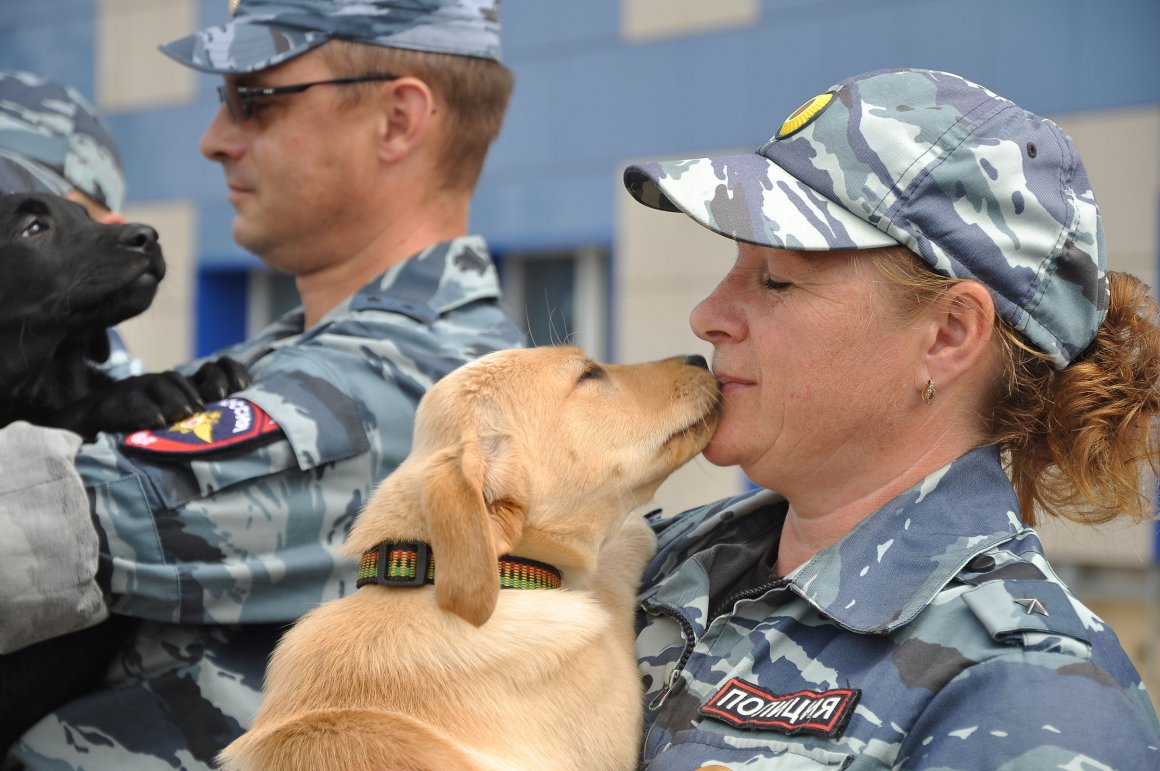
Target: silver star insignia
{"points": [[1033, 605]]}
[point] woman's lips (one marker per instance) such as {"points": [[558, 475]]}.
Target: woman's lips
{"points": [[732, 382]]}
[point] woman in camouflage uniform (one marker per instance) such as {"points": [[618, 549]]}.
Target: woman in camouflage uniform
{"points": [[919, 313]]}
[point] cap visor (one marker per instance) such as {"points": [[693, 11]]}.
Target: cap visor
{"points": [[749, 198], [239, 47], [20, 176]]}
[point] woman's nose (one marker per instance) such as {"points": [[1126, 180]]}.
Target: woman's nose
{"points": [[715, 319]]}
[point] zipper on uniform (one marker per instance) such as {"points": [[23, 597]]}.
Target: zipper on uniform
{"points": [[690, 642], [674, 678]]}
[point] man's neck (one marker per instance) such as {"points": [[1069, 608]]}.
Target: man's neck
{"points": [[323, 290]]}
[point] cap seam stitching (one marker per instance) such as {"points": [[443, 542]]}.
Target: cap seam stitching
{"points": [[903, 197], [1027, 301], [1050, 265]]}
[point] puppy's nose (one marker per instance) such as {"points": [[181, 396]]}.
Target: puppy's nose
{"points": [[137, 236], [697, 361]]}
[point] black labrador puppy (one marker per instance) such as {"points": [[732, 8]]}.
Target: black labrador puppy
{"points": [[64, 280]]}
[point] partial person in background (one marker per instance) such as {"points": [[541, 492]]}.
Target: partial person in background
{"points": [[15, 178], [920, 306], [351, 136], [51, 133]]}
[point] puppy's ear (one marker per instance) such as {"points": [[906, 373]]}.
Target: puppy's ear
{"points": [[472, 521]]}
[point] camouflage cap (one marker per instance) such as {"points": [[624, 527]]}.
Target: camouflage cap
{"points": [[264, 33], [15, 177], [51, 131], [972, 183]]}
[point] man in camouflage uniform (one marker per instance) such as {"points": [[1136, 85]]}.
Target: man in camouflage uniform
{"points": [[53, 141], [934, 634], [221, 530]]}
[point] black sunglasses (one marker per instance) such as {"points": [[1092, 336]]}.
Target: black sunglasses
{"points": [[239, 100]]}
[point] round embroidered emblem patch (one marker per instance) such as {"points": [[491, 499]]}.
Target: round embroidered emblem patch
{"points": [[801, 117]]}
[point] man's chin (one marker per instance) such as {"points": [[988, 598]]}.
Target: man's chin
{"points": [[246, 235]]}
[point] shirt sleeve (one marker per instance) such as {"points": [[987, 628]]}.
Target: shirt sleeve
{"points": [[1033, 711], [251, 532]]}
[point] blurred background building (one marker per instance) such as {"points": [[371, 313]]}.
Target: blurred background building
{"points": [[600, 83]]}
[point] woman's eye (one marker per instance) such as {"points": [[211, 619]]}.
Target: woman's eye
{"points": [[775, 285], [33, 228]]}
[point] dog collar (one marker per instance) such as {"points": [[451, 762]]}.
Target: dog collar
{"points": [[411, 563]]}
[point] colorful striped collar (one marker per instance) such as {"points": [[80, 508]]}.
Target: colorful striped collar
{"points": [[411, 563]]}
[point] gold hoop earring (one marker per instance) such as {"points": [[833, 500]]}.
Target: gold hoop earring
{"points": [[928, 392]]}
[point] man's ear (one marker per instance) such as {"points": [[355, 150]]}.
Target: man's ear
{"points": [[960, 326], [408, 110]]}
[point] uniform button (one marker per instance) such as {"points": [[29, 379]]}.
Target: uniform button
{"points": [[981, 564]]}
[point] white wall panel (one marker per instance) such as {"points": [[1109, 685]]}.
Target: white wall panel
{"points": [[163, 335], [130, 72], [650, 19]]}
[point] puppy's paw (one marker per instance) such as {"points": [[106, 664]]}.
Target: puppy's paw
{"points": [[145, 401], [219, 378]]}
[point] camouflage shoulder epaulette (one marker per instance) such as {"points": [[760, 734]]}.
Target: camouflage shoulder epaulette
{"points": [[1018, 605]]}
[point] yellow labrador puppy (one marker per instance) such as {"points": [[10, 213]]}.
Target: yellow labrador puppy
{"points": [[525, 467]]}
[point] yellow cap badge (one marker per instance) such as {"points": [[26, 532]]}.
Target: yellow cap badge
{"points": [[801, 117], [234, 7]]}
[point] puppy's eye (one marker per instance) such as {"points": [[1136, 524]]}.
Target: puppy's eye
{"points": [[33, 228], [592, 372]]}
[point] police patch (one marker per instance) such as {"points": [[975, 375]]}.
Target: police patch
{"points": [[744, 705], [227, 424], [801, 117]]}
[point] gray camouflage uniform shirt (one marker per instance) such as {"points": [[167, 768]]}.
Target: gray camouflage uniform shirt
{"points": [[934, 635], [218, 552]]}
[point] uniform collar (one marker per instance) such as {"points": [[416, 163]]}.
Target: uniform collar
{"points": [[885, 570], [438, 279], [894, 562], [434, 281]]}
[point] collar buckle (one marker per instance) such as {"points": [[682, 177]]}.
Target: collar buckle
{"points": [[395, 563]]}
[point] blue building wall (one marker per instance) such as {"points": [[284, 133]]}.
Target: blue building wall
{"points": [[586, 100]]}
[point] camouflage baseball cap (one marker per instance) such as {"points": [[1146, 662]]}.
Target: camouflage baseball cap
{"points": [[264, 33], [972, 183], [51, 132], [16, 178]]}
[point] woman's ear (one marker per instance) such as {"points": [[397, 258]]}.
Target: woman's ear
{"points": [[961, 324], [408, 106]]}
